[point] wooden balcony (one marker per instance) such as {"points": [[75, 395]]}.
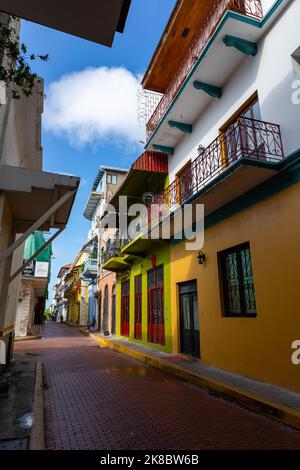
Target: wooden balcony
{"points": [[155, 105]]}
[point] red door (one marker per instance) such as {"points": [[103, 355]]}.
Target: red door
{"points": [[125, 302], [156, 322], [138, 307]]}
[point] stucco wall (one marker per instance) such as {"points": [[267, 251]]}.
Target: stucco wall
{"points": [[255, 347], [162, 257], [25, 308]]}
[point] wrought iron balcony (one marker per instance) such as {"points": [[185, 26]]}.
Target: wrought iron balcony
{"points": [[113, 249], [155, 104], [247, 139]]}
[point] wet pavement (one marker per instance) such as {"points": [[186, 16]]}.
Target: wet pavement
{"points": [[16, 402], [100, 399]]}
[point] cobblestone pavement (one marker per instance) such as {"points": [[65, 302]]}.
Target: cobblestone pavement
{"points": [[99, 399]]}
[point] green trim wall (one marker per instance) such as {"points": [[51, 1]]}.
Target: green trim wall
{"points": [[142, 266]]}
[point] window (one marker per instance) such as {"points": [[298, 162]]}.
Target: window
{"points": [[111, 179], [237, 282]]}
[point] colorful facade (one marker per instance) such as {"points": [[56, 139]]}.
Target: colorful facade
{"points": [[215, 111], [101, 285], [142, 266], [59, 300], [73, 291]]}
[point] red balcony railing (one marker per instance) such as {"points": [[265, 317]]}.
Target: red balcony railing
{"points": [[252, 8], [246, 138]]}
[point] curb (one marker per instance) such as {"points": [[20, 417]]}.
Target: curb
{"points": [[37, 437], [28, 338], [249, 400]]}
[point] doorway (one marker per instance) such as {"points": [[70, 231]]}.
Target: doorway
{"points": [[99, 311], [243, 135], [105, 312], [189, 319], [113, 310], [156, 320], [125, 306]]}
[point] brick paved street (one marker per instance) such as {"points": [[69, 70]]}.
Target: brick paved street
{"points": [[99, 399]]}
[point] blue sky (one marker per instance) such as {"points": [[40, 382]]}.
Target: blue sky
{"points": [[79, 148]]}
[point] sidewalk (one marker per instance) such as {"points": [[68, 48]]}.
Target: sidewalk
{"points": [[21, 404], [272, 401]]}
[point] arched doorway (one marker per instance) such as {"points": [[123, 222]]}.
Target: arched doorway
{"points": [[105, 312], [113, 310], [99, 311]]}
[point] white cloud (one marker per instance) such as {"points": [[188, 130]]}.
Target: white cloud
{"points": [[93, 105]]}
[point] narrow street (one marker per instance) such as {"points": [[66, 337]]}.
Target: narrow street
{"points": [[99, 399]]}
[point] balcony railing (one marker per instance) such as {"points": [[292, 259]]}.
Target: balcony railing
{"points": [[246, 138], [113, 249], [252, 8], [91, 264], [90, 267]]}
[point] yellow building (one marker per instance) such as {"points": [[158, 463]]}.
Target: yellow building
{"points": [[72, 294], [255, 341], [75, 291]]}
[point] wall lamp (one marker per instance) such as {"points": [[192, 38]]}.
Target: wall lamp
{"points": [[201, 257]]}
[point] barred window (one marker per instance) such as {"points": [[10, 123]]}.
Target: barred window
{"points": [[237, 282]]}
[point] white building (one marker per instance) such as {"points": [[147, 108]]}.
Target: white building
{"points": [[59, 300]]}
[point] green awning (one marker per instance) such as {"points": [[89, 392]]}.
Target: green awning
{"points": [[33, 243]]}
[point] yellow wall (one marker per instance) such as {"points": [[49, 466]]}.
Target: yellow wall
{"points": [[86, 304], [255, 347], [163, 257], [74, 298]]}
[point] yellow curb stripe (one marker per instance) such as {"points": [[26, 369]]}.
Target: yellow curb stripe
{"points": [[7, 329], [27, 338]]}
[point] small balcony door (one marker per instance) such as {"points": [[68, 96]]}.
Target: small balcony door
{"points": [[125, 309], [242, 136], [184, 183], [189, 319], [156, 321]]}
